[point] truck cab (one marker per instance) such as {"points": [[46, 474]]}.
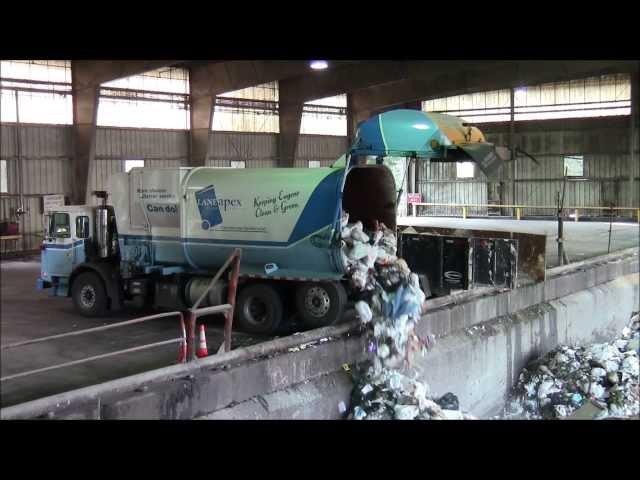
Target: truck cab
{"points": [[67, 243], [80, 257]]}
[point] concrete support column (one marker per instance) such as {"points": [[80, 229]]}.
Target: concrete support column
{"points": [[86, 78], [201, 103], [353, 120], [351, 126], [85, 111], [290, 117]]}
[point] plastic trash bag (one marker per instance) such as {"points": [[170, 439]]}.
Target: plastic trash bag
{"points": [[358, 251], [405, 412], [448, 402], [364, 311], [344, 219]]}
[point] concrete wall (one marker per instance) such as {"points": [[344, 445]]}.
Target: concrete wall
{"points": [[482, 364], [587, 301]]}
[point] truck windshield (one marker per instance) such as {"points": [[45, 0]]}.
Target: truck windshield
{"points": [[59, 225]]}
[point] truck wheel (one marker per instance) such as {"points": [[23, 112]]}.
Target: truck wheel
{"points": [[89, 296], [320, 304], [259, 309]]}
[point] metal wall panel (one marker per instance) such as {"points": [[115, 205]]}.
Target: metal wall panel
{"points": [[257, 150], [46, 158], [7, 141], [604, 144], [438, 184], [324, 148], [147, 144]]}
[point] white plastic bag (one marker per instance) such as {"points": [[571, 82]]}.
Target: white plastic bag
{"points": [[358, 251], [344, 219], [405, 412], [364, 311]]}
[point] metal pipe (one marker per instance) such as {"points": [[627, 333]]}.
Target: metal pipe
{"points": [[213, 281], [35, 82], [37, 90], [231, 299], [91, 330], [90, 359], [224, 308], [508, 205], [634, 121], [512, 140], [20, 168], [610, 225]]}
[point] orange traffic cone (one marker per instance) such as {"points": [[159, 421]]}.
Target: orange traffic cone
{"points": [[182, 352], [202, 344]]}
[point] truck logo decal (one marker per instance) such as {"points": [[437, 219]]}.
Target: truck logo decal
{"points": [[210, 206]]}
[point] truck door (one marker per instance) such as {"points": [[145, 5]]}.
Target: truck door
{"points": [[81, 238], [65, 244], [57, 254]]}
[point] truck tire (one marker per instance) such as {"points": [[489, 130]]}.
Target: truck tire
{"points": [[89, 295], [259, 309], [320, 304]]}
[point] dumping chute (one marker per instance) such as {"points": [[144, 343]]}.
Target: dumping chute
{"points": [[413, 133]]}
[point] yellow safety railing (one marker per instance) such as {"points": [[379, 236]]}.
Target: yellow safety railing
{"points": [[518, 208]]}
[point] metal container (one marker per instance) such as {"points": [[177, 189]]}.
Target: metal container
{"points": [[196, 286]]}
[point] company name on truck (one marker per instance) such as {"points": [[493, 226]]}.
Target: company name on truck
{"points": [[211, 207], [219, 203], [277, 204]]}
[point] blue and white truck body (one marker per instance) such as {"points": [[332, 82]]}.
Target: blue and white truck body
{"points": [[166, 231]]}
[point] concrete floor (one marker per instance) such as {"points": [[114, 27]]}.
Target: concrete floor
{"points": [[582, 239], [29, 313]]}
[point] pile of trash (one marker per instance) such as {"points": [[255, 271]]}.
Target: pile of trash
{"points": [[604, 375], [390, 305]]}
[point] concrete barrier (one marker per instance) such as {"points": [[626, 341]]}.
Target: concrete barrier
{"points": [[481, 364], [518, 325]]}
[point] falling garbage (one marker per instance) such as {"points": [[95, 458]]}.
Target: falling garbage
{"points": [[595, 381], [390, 306]]}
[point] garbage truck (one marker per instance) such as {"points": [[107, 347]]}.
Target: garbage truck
{"points": [[159, 235]]}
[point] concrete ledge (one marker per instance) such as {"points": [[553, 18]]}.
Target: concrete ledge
{"points": [[317, 398]]}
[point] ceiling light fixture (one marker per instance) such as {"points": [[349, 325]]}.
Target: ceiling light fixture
{"points": [[319, 64]]}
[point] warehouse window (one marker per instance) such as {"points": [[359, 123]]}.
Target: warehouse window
{"points": [[465, 169], [574, 166], [42, 89], [59, 226], [326, 116], [3, 176], [314, 163], [253, 109], [156, 99], [129, 164], [601, 96]]}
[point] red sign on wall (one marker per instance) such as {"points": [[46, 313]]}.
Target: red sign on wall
{"points": [[414, 198]]}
